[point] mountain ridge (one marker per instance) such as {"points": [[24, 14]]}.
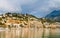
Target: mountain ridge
{"points": [[54, 15]]}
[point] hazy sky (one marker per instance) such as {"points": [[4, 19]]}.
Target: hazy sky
{"points": [[39, 8]]}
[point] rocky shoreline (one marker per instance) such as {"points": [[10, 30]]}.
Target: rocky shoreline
{"points": [[16, 20]]}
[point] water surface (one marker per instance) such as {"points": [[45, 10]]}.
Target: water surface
{"points": [[30, 33]]}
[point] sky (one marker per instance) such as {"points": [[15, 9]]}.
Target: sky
{"points": [[39, 8]]}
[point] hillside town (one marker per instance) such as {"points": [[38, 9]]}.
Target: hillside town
{"points": [[16, 20]]}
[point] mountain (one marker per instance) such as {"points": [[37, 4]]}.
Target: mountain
{"points": [[18, 16], [54, 15], [14, 19]]}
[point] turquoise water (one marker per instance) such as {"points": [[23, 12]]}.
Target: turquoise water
{"points": [[30, 33]]}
